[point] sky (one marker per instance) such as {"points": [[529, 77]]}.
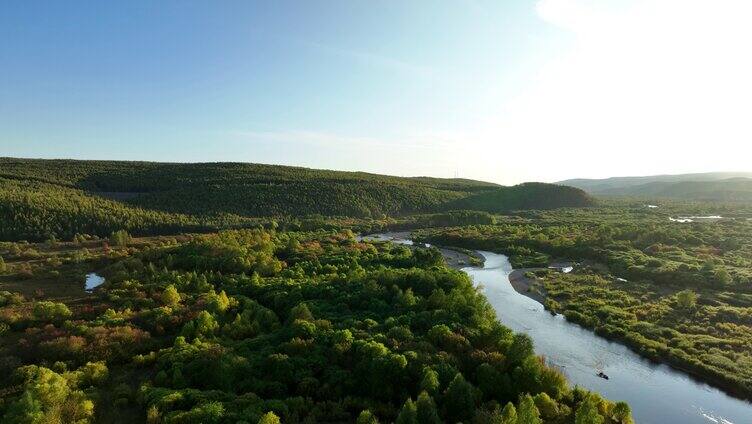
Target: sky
{"points": [[502, 91]]}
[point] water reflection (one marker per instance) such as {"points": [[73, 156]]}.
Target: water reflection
{"points": [[657, 394], [93, 280]]}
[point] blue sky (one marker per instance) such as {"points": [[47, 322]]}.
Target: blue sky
{"points": [[408, 88]]}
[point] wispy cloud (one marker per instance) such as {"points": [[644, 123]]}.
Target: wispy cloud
{"points": [[376, 60]]}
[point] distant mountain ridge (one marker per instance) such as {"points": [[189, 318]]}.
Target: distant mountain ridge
{"points": [[714, 186]]}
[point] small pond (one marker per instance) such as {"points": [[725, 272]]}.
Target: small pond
{"points": [[93, 280]]}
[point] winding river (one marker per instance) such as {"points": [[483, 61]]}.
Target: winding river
{"points": [[657, 394]]}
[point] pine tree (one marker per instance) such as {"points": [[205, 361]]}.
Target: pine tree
{"points": [[408, 414], [221, 302], [430, 381], [206, 325], [509, 414], [426, 409], [459, 399], [527, 412]]}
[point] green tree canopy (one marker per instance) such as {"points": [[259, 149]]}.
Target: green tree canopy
{"points": [[509, 414], [366, 417], [686, 299], [170, 296], [527, 412], [430, 381], [269, 418], [408, 414], [459, 399], [426, 409], [587, 412]]}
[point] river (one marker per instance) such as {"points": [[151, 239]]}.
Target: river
{"points": [[657, 394]]}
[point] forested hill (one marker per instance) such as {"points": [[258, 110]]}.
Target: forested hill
{"points": [[523, 196], [43, 198], [243, 189], [729, 190]]}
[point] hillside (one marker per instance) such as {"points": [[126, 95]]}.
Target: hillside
{"points": [[44, 198], [730, 190], [680, 185], [523, 196]]}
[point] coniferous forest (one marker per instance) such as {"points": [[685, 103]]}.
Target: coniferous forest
{"points": [[40, 199]]}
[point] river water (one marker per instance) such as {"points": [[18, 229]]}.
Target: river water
{"points": [[657, 394]]}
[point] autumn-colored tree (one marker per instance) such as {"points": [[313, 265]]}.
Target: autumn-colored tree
{"points": [[48, 397], [51, 311], [170, 296], [269, 418]]}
